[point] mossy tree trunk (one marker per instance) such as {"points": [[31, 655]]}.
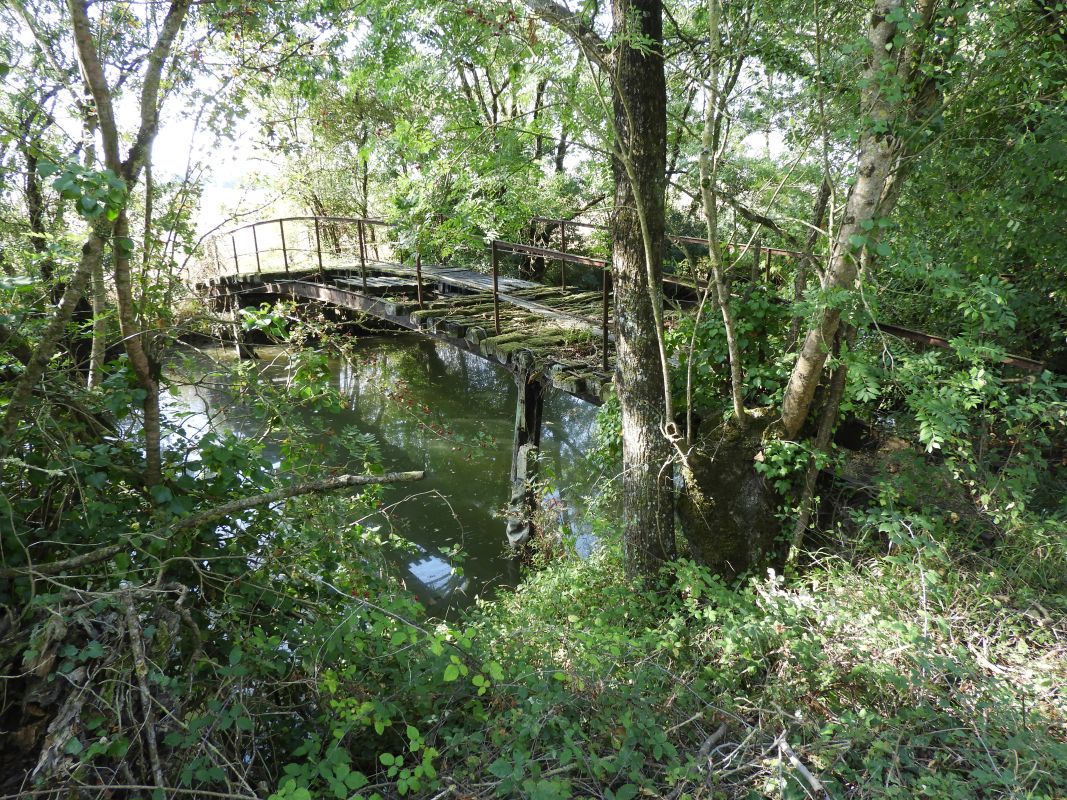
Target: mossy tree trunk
{"points": [[729, 512], [634, 64]]}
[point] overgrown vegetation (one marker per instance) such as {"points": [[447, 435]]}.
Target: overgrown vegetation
{"points": [[182, 615]]}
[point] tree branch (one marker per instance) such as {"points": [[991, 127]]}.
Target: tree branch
{"points": [[172, 24], [224, 510], [93, 72], [571, 23]]}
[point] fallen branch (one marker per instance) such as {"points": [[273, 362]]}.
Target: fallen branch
{"points": [[224, 510], [813, 782]]}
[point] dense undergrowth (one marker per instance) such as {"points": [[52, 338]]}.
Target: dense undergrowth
{"points": [[917, 674], [922, 667], [917, 649]]}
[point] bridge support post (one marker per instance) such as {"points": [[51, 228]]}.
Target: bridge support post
{"points": [[522, 504], [362, 254], [241, 347], [563, 248], [318, 249]]}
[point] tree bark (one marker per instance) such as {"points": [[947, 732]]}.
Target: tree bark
{"points": [[847, 335], [561, 150], [640, 109], [639, 99], [902, 88]]}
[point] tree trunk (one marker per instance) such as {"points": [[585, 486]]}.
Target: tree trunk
{"points": [[35, 213], [92, 252], [878, 150], [98, 285], [729, 513], [846, 334], [561, 151], [640, 107], [144, 366], [709, 146], [98, 354], [800, 280]]}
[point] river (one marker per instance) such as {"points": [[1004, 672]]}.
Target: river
{"points": [[423, 405]]}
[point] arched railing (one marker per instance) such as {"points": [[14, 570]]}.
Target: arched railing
{"points": [[298, 245]]}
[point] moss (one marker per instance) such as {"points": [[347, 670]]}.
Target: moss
{"points": [[729, 513], [510, 342]]}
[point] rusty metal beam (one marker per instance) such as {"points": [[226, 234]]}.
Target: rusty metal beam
{"points": [[930, 340], [558, 255], [670, 237]]}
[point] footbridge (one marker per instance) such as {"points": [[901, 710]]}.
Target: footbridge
{"points": [[543, 310]]}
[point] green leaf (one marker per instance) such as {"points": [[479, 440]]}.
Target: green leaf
{"points": [[356, 780], [15, 283], [451, 672]]}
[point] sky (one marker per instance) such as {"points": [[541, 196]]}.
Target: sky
{"points": [[232, 167]]}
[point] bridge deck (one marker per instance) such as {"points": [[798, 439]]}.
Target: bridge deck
{"points": [[558, 335], [551, 334]]}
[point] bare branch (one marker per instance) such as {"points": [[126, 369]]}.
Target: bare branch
{"points": [[561, 17]]}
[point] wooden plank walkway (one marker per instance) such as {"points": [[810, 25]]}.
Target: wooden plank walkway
{"points": [[547, 334], [456, 277]]}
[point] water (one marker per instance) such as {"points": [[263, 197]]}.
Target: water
{"points": [[427, 406]]}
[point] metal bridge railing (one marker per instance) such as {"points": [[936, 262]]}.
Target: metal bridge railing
{"points": [[567, 228], [299, 244]]}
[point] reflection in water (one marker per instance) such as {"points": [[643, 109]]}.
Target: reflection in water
{"points": [[429, 406]]}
